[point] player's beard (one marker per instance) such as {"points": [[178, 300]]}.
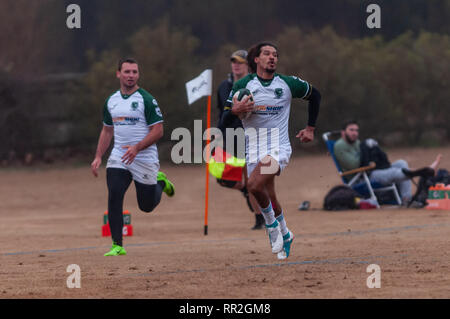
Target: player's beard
{"points": [[349, 140], [129, 86], [270, 69]]}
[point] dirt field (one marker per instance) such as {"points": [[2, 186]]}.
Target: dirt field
{"points": [[52, 218]]}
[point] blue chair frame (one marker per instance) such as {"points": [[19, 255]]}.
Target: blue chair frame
{"points": [[365, 187]]}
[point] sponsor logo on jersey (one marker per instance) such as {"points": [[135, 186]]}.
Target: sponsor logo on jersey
{"points": [[158, 111], [268, 108], [154, 102], [134, 106], [125, 120]]}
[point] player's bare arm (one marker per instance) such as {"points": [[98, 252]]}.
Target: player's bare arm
{"points": [[103, 143], [152, 137]]}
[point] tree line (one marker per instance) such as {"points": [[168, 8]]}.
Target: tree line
{"points": [[394, 81]]}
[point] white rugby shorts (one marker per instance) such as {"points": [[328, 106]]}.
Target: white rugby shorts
{"points": [[144, 173], [282, 157]]}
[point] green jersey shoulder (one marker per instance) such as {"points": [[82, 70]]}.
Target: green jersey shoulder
{"points": [[152, 111], [299, 88]]}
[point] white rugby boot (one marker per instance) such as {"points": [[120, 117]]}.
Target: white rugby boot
{"points": [[275, 237]]}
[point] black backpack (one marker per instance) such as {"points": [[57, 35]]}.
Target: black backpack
{"points": [[341, 197], [371, 152], [421, 195]]}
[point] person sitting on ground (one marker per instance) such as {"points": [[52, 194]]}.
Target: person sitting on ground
{"points": [[351, 153]]}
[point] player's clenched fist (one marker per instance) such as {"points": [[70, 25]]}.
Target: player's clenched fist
{"points": [[306, 135]]}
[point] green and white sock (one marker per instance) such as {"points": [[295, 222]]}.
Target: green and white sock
{"points": [[268, 214], [282, 221]]}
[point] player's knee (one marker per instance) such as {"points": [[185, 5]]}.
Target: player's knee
{"points": [[402, 163], [254, 187], [146, 207]]}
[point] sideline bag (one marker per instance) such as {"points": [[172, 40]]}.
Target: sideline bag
{"points": [[341, 197]]}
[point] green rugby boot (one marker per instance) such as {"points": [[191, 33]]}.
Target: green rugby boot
{"points": [[169, 189], [116, 250]]}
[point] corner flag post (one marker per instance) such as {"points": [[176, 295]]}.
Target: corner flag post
{"points": [[208, 140], [197, 88]]}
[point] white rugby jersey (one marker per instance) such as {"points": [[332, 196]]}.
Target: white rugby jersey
{"points": [[271, 113], [132, 117]]}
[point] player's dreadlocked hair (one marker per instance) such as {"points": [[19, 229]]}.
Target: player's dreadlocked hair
{"points": [[254, 52]]}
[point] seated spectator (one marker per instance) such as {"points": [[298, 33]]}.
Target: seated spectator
{"points": [[351, 153]]}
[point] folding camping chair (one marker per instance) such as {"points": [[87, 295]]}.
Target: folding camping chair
{"points": [[365, 188]]}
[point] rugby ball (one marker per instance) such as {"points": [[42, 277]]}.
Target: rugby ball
{"points": [[239, 95]]}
